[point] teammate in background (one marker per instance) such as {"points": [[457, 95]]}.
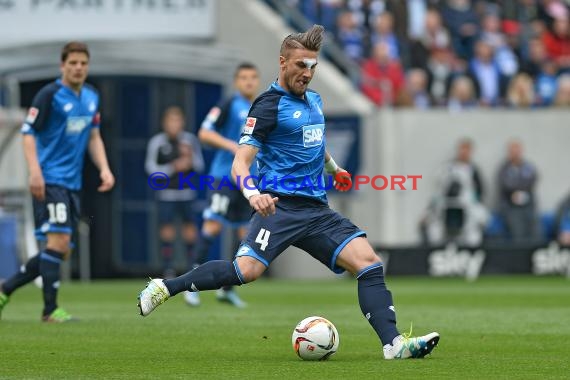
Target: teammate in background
{"points": [[172, 152], [222, 129], [62, 122], [286, 124]]}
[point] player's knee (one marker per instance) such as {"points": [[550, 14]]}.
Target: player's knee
{"points": [[249, 274], [250, 268], [358, 254], [370, 257], [59, 243]]}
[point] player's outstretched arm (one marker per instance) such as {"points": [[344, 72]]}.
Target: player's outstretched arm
{"points": [[264, 204], [99, 157], [216, 140], [37, 184]]}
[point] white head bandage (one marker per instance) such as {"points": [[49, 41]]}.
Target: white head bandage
{"points": [[309, 62]]}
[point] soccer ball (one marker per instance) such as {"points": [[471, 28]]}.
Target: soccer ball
{"points": [[315, 338]]}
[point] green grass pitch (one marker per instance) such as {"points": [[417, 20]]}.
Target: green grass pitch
{"points": [[497, 327]]}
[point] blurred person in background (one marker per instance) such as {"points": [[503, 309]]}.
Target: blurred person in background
{"points": [[366, 13], [457, 213], [520, 93], [384, 33], [62, 123], [563, 92], [462, 94], [550, 10], [440, 70], [463, 24], [434, 38], [518, 16], [221, 130], [536, 57], [417, 12], [350, 36], [557, 43], [504, 56], [328, 13], [546, 84], [382, 76], [487, 76], [562, 222], [517, 201], [174, 152], [415, 93]]}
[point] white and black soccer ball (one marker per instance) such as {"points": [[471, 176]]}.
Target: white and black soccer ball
{"points": [[315, 338]]}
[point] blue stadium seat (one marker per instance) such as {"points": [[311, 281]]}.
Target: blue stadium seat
{"points": [[547, 221], [496, 227]]}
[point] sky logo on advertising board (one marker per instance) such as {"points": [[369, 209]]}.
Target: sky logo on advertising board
{"points": [[313, 135], [551, 260], [452, 261]]}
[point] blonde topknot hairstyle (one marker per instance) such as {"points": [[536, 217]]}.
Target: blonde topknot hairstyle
{"points": [[311, 40]]}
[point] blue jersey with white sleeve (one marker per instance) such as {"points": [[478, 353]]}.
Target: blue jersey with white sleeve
{"points": [[290, 134], [61, 122], [227, 119]]}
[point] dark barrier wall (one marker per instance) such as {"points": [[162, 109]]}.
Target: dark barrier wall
{"points": [[452, 260]]}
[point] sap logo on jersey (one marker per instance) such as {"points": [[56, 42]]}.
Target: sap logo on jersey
{"points": [[77, 124], [313, 135]]}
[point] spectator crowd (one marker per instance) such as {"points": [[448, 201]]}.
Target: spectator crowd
{"points": [[458, 54]]}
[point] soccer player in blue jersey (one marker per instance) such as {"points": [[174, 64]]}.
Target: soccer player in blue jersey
{"points": [[61, 124], [286, 124], [222, 129]]}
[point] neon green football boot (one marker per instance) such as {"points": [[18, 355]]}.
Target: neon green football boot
{"points": [[4, 299], [406, 347], [58, 316]]}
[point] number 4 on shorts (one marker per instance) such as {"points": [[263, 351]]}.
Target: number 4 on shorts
{"points": [[263, 238]]}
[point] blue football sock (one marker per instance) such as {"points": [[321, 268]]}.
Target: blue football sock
{"points": [[376, 303], [209, 276], [27, 274], [50, 262]]}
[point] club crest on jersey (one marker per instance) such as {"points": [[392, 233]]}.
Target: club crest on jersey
{"points": [[32, 115], [313, 135], [249, 125]]}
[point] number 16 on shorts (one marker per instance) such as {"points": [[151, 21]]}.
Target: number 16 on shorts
{"points": [[57, 212], [263, 238]]}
